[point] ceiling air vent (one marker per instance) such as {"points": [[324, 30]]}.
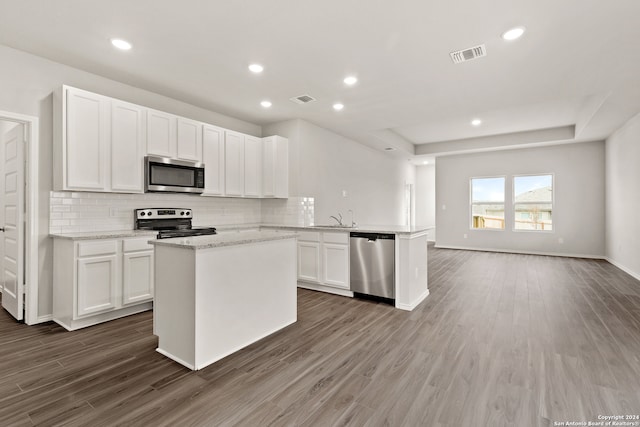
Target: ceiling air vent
{"points": [[468, 54], [302, 99]]}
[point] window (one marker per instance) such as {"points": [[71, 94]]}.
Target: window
{"points": [[533, 202], [487, 203]]}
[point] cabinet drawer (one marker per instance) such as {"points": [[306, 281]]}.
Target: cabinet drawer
{"points": [[342, 238], [309, 236], [103, 247], [137, 244]]}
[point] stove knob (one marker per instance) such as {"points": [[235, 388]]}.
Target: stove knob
{"points": [[142, 214], [188, 213], [149, 213], [182, 213]]}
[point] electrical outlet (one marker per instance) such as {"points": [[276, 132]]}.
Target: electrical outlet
{"points": [[416, 272], [464, 235], [344, 193], [444, 207], [560, 240]]}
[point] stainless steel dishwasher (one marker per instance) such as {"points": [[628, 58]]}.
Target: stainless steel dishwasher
{"points": [[372, 262]]}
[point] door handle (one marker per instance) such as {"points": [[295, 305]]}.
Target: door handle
{"points": [[2, 229]]}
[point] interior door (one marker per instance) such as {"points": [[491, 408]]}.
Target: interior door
{"points": [[12, 231]]}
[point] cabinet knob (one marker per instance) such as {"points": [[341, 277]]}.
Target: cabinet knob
{"points": [[2, 229]]}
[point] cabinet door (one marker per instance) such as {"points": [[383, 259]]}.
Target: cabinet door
{"points": [[161, 134], [87, 141], [269, 167], [213, 159], [275, 167], [189, 140], [336, 265], [137, 277], [234, 163], [309, 261], [282, 167], [252, 166], [96, 285], [127, 142]]}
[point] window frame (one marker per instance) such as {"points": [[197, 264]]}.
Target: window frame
{"points": [[471, 203], [514, 203]]}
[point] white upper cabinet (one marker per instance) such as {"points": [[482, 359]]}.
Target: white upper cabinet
{"points": [[127, 142], [189, 144], [233, 163], [85, 141], [98, 143], [252, 166], [161, 134], [275, 167], [213, 159], [171, 136]]}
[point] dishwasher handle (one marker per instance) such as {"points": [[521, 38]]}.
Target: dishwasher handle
{"points": [[372, 237]]}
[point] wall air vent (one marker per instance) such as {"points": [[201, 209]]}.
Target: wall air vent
{"points": [[302, 99], [468, 54]]}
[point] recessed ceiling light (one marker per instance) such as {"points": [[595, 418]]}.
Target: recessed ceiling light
{"points": [[425, 162], [514, 33], [476, 122], [338, 106], [266, 104], [256, 68], [121, 44], [350, 80]]}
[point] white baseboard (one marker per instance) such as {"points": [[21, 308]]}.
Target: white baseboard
{"points": [[175, 359], [509, 251], [323, 288], [410, 307], [623, 268], [42, 319]]}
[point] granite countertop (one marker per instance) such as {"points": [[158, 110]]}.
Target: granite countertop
{"points": [[89, 235], [388, 229], [225, 229], [220, 240]]}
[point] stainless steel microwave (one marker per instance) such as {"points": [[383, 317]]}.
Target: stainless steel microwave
{"points": [[162, 174]]}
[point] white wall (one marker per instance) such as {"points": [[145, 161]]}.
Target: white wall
{"points": [[623, 197], [578, 210], [322, 164], [426, 198], [26, 86]]}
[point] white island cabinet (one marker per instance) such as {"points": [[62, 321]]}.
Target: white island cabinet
{"points": [[217, 294]]}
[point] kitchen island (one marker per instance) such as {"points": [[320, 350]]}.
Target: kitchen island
{"points": [[217, 294]]}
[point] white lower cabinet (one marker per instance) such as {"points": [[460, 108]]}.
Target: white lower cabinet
{"points": [[336, 265], [96, 284], [309, 261], [323, 260], [137, 277], [99, 280]]}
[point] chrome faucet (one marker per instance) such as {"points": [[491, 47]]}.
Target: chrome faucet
{"points": [[353, 223], [339, 220]]}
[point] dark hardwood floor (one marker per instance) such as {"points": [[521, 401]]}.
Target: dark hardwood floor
{"points": [[503, 339]]}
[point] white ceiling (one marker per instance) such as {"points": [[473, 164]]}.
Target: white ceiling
{"points": [[577, 64]]}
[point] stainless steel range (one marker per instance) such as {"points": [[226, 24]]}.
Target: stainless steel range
{"points": [[169, 222]]}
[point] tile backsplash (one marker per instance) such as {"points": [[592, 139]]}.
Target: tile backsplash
{"points": [[82, 211], [291, 211]]}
